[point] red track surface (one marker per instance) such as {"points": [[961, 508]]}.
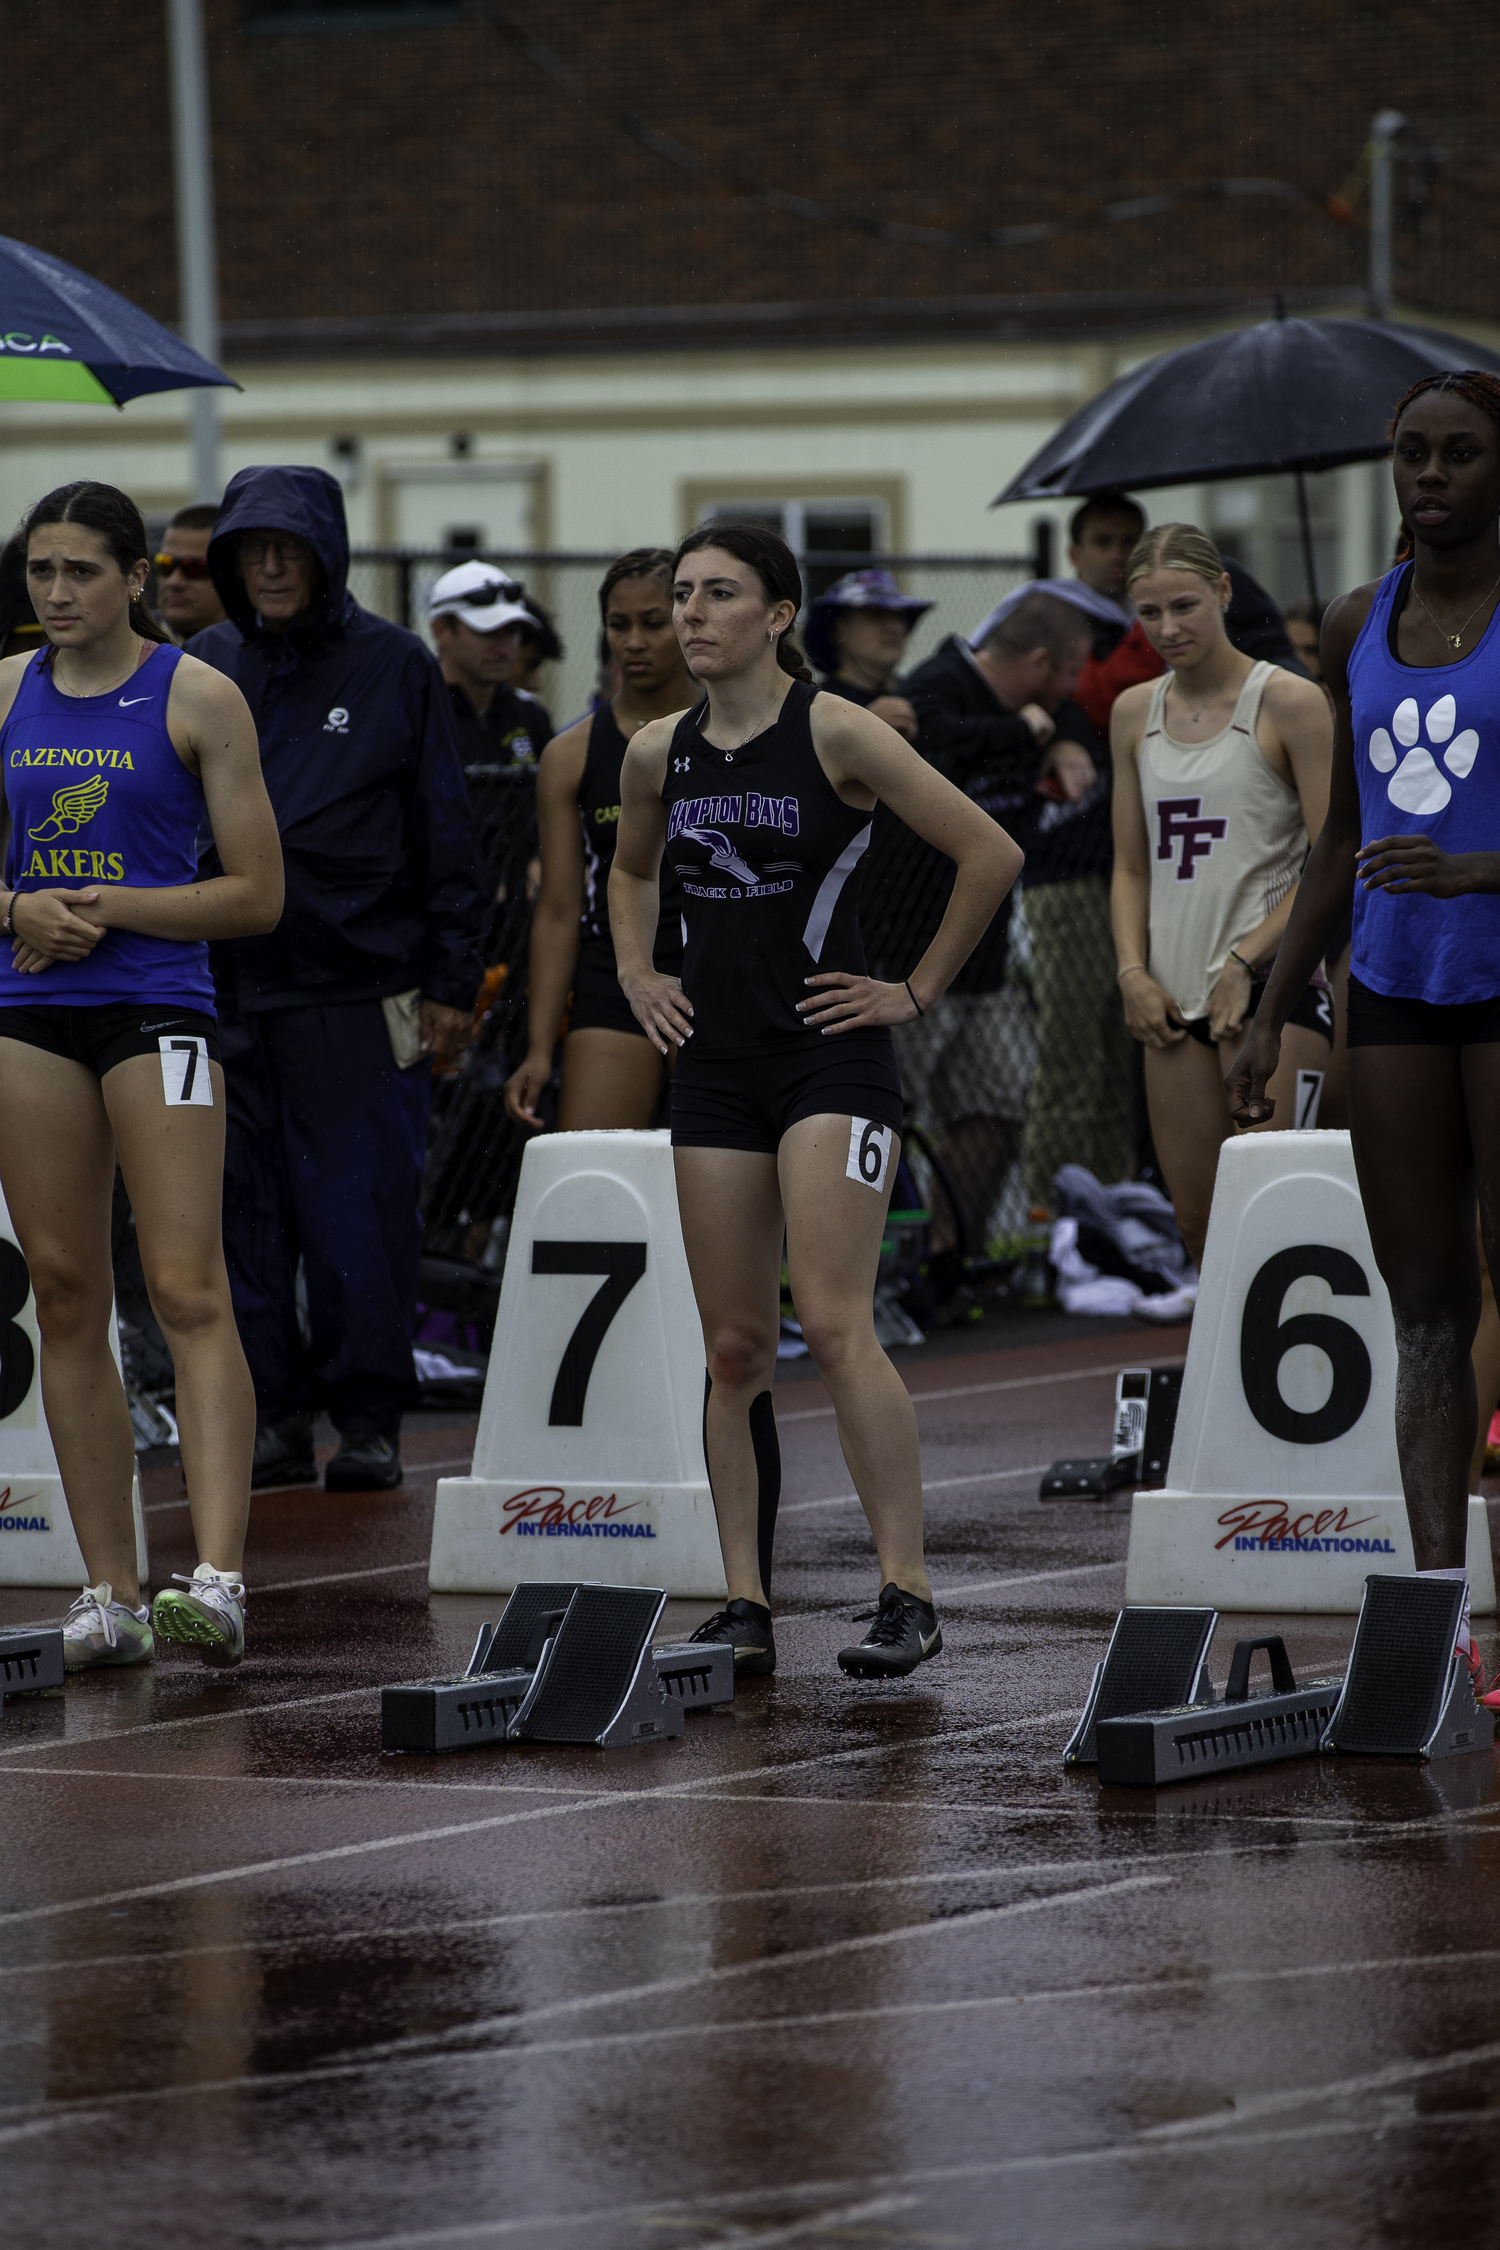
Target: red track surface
{"points": [[854, 1965]]}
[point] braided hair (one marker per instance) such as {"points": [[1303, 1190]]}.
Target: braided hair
{"points": [[1475, 384]]}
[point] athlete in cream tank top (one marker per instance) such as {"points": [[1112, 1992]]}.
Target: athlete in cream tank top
{"points": [[1227, 843]]}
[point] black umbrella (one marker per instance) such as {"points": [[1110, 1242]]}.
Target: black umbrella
{"points": [[1286, 395]]}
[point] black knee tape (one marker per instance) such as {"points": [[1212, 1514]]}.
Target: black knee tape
{"points": [[768, 1476], [767, 1449]]}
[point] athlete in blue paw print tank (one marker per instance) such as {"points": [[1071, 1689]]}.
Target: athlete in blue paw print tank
{"points": [[1413, 835]]}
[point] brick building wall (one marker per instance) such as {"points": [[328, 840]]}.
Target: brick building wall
{"points": [[385, 171]]}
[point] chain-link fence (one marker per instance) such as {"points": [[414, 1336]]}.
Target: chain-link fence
{"points": [[1023, 1067]]}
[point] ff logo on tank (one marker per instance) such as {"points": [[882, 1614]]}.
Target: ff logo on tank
{"points": [[337, 721], [1183, 820]]}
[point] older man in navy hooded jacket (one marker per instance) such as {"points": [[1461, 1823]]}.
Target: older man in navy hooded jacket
{"points": [[329, 1023]]}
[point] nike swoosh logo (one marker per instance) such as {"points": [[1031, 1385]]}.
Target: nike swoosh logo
{"points": [[127, 701], [927, 1640]]}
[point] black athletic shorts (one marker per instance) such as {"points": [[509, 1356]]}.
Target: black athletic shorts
{"points": [[101, 1037], [598, 1003], [1313, 1011], [749, 1101], [1376, 1019]]}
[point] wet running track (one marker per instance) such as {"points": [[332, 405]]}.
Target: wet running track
{"points": [[858, 1965]]}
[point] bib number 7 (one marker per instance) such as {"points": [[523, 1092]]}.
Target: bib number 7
{"points": [[621, 1264]]}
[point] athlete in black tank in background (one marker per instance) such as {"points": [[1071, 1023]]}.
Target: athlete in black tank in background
{"points": [[611, 1073], [786, 1106]]}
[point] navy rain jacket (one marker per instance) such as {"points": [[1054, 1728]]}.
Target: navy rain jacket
{"points": [[360, 756]]}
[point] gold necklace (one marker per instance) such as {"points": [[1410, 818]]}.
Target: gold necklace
{"points": [[1454, 640]]}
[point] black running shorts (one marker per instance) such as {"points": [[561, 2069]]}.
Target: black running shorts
{"points": [[1313, 1011], [1376, 1019], [749, 1101], [598, 1003], [99, 1038]]}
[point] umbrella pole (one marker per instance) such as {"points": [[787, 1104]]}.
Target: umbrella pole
{"points": [[1307, 544]]}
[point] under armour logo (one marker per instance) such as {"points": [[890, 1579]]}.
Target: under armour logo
{"points": [[1182, 818], [680, 765]]}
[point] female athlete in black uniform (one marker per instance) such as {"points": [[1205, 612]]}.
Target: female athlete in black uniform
{"points": [[786, 1103], [611, 1073]]}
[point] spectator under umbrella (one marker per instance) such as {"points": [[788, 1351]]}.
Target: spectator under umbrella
{"points": [[856, 635]]}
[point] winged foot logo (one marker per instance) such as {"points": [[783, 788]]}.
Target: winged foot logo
{"points": [[1417, 784]]}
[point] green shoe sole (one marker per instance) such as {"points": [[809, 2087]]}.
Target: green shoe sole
{"points": [[174, 1617]]}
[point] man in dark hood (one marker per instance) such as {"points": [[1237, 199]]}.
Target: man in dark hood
{"points": [[329, 1022]]}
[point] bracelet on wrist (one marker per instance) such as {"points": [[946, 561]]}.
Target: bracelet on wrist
{"points": [[7, 926], [1130, 969], [1244, 964], [911, 996]]}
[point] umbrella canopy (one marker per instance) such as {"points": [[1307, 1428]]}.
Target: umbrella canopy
{"points": [[63, 335], [1284, 395]]}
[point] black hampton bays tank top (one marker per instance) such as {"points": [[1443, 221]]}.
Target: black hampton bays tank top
{"points": [[768, 856], [599, 816]]}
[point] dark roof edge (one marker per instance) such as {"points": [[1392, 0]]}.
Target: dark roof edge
{"points": [[1036, 315]]}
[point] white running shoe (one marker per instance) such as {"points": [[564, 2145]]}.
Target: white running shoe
{"points": [[99, 1630], [209, 1617]]}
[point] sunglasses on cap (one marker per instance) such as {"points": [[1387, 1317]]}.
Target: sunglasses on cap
{"points": [[485, 597], [191, 566]]}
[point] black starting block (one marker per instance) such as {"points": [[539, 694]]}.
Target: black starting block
{"points": [[1145, 1417], [566, 1663], [30, 1660], [1193, 1743], [1408, 1693], [1155, 1657]]}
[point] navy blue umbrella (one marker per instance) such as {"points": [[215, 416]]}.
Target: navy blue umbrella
{"points": [[63, 335]]}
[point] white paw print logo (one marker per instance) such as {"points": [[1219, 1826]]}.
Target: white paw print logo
{"points": [[1416, 785]]}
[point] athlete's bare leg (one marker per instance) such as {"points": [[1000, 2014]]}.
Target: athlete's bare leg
{"points": [[609, 1079], [57, 1163], [730, 1205], [172, 1160], [1190, 1119], [833, 1229]]}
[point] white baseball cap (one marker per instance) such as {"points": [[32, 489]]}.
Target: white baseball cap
{"points": [[481, 595]]}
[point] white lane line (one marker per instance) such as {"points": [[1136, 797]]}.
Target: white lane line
{"points": [[585, 1802], [1012, 1383], [201, 1719], [432, 2043], [929, 1484], [963, 1590], [844, 2218], [336, 1577]]}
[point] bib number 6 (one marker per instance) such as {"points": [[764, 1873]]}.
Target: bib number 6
{"points": [[1265, 1341], [869, 1152]]}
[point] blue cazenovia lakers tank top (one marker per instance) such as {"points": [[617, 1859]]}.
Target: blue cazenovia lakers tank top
{"points": [[768, 855], [1427, 757], [98, 795]]}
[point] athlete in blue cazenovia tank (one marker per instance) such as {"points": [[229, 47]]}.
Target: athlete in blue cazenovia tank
{"points": [[116, 751], [1413, 836], [786, 1101]]}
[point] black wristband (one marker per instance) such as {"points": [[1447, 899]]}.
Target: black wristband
{"points": [[911, 996]]}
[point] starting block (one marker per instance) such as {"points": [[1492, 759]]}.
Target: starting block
{"points": [[30, 1659], [592, 1423], [1406, 1694], [566, 1663], [38, 1545], [1145, 1414], [1284, 1490]]}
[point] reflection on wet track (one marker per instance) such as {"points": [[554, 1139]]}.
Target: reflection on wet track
{"points": [[855, 1964]]}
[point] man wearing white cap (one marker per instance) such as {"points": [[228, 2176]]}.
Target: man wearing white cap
{"points": [[476, 614]]}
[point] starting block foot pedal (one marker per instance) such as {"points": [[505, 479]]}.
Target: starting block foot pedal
{"points": [[597, 1680], [1407, 1693], [1192, 1743], [30, 1661], [1156, 1658]]}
